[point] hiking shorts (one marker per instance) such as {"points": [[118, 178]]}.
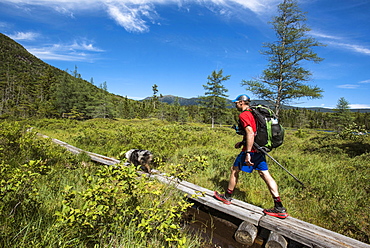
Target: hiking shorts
{"points": [[257, 158]]}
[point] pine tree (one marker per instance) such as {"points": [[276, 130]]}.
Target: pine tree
{"points": [[342, 116], [285, 79], [215, 98], [61, 93], [103, 107], [155, 96]]}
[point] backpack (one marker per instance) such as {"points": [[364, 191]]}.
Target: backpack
{"points": [[270, 133]]}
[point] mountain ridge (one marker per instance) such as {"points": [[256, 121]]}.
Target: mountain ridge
{"points": [[183, 101]]}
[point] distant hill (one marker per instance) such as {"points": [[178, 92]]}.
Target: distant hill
{"points": [[16, 59], [30, 87], [170, 99], [328, 110]]}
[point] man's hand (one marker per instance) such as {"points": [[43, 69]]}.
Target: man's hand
{"points": [[248, 160]]}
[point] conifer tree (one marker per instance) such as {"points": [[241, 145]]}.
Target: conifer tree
{"points": [[103, 106], [285, 78], [342, 116], [62, 92], [43, 95], [215, 98], [155, 96]]}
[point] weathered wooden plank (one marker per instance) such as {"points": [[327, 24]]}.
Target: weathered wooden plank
{"points": [[235, 202], [309, 234], [244, 211], [94, 156], [250, 215]]}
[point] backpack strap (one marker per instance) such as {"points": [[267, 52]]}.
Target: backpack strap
{"points": [[250, 110]]}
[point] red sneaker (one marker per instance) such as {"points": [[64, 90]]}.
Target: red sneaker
{"points": [[222, 197], [278, 212]]}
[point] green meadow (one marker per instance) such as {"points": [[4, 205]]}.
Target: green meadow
{"points": [[52, 198]]}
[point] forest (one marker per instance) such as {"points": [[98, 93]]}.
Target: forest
{"points": [[31, 88]]}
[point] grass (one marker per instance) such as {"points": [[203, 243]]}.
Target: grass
{"points": [[335, 171]]}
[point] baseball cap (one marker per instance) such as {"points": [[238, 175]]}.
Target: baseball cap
{"points": [[242, 97]]}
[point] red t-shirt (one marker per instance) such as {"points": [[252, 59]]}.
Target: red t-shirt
{"points": [[246, 118]]}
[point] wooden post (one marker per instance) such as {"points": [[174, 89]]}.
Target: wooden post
{"points": [[246, 233], [276, 241]]}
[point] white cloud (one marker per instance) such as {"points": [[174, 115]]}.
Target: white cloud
{"points": [[325, 36], [135, 97], [49, 54], [130, 17], [74, 52], [359, 106], [134, 14], [356, 48], [353, 86], [257, 6], [348, 86], [23, 36], [365, 82], [3, 24], [332, 40], [65, 11], [84, 46], [352, 47]]}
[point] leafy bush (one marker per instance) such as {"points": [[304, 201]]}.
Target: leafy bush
{"points": [[189, 166], [353, 132], [114, 198]]}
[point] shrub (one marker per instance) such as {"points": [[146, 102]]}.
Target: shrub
{"points": [[116, 198]]}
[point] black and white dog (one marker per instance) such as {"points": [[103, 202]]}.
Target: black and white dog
{"points": [[140, 157]]}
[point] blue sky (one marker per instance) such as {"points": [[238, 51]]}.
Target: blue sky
{"points": [[133, 44]]}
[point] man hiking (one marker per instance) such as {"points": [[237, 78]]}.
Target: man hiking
{"points": [[251, 159]]}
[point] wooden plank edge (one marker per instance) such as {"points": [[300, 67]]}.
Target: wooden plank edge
{"points": [[94, 156], [209, 201], [309, 234], [235, 202]]}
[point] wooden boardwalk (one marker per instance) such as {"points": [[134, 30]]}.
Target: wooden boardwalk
{"points": [[306, 234]]}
